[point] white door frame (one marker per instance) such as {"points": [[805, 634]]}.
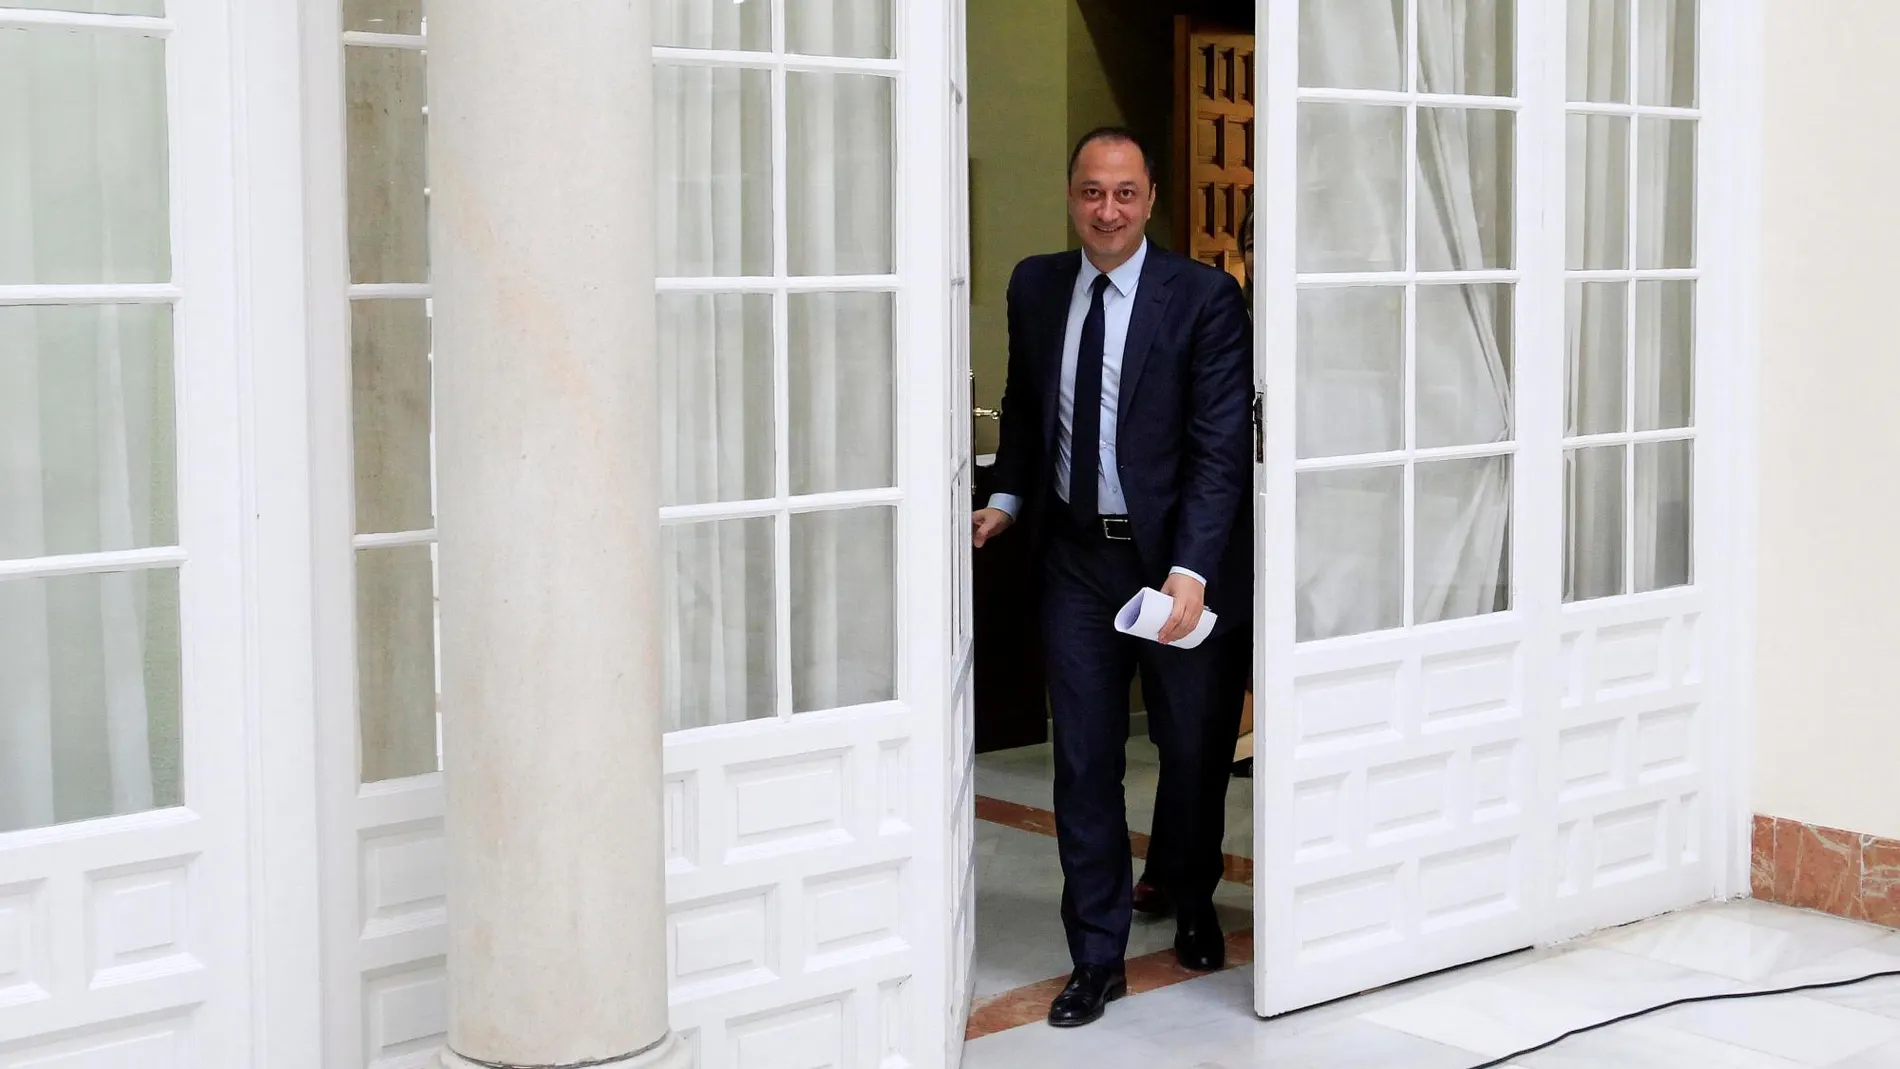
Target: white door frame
{"points": [[875, 783], [382, 879], [237, 241], [280, 687], [1728, 223], [1732, 232]]}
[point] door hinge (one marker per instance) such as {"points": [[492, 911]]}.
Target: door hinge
{"points": [[1259, 426]]}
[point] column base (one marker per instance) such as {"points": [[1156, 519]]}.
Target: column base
{"points": [[668, 1053]]}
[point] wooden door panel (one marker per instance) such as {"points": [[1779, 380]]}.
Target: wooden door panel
{"points": [[1214, 141]]}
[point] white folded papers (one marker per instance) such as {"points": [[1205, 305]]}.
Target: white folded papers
{"points": [[1148, 611]]}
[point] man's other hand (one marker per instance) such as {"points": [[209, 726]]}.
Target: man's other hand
{"points": [[1190, 598], [987, 524]]}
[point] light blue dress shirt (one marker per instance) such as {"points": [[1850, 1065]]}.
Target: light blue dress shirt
{"points": [[1118, 304]]}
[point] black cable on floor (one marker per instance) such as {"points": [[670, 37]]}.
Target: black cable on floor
{"points": [[1513, 1056]]}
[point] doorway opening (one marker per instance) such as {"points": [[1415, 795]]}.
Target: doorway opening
{"points": [[1041, 73]]}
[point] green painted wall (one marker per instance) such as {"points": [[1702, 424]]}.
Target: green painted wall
{"points": [[1121, 73], [1019, 146], [1042, 73]]}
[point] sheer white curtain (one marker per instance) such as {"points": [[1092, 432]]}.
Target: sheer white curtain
{"points": [[720, 438], [713, 218], [1466, 203], [1352, 217], [1597, 313], [1605, 394], [1663, 349], [841, 432], [88, 664]]}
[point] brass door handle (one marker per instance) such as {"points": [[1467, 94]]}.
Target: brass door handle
{"points": [[985, 413]]}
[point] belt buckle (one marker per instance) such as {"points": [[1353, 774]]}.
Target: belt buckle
{"points": [[1117, 529]]}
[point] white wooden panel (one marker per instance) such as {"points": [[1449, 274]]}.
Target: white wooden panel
{"points": [[125, 941], [163, 1044], [800, 926], [1404, 778], [399, 924], [1632, 727]]}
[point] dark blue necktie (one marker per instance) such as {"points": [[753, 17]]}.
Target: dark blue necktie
{"points": [[1085, 436]]}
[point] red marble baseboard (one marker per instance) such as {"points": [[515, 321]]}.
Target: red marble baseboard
{"points": [[1840, 872]]}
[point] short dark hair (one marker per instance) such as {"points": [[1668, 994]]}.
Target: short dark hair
{"points": [[1113, 133]]}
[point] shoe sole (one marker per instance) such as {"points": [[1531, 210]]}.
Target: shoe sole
{"points": [[1114, 994]]}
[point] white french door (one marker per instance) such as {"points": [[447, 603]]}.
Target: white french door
{"points": [[1484, 642], [960, 748], [384, 895], [816, 652], [123, 770], [814, 544]]}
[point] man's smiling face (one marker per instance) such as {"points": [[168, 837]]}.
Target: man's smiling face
{"points": [[1110, 199]]}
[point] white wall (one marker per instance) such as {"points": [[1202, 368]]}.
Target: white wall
{"points": [[1829, 613]]}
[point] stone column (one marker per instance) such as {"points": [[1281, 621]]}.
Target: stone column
{"points": [[540, 134]]}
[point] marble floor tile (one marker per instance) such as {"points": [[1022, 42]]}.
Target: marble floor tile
{"points": [[1463, 1017], [1037, 1046], [1873, 996], [1405, 991], [1208, 1023], [1885, 1056], [1347, 1044], [1486, 1016], [1611, 982], [1743, 943], [1641, 1045], [1452, 1020], [1217, 1008], [1019, 937], [1821, 928], [1802, 1030]]}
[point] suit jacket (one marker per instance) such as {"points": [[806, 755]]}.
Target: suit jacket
{"points": [[1183, 431]]}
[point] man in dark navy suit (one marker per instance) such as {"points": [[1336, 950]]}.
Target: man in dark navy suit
{"points": [[1125, 456]]}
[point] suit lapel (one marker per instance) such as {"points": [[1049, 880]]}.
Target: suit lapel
{"points": [[1056, 325], [1151, 306]]}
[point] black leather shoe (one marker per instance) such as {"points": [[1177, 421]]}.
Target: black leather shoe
{"points": [[1091, 988], [1198, 942], [1151, 900]]}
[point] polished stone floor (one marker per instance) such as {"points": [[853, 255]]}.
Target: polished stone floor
{"points": [[1455, 1020]]}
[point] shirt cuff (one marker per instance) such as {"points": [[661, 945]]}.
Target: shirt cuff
{"points": [[1196, 576], [1007, 503]]}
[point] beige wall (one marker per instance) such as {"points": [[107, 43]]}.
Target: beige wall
{"points": [[1829, 611]]}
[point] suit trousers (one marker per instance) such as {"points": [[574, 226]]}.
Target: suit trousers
{"points": [[1087, 578]]}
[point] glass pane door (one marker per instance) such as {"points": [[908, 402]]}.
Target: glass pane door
{"points": [[1395, 749], [1480, 657], [123, 773]]}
